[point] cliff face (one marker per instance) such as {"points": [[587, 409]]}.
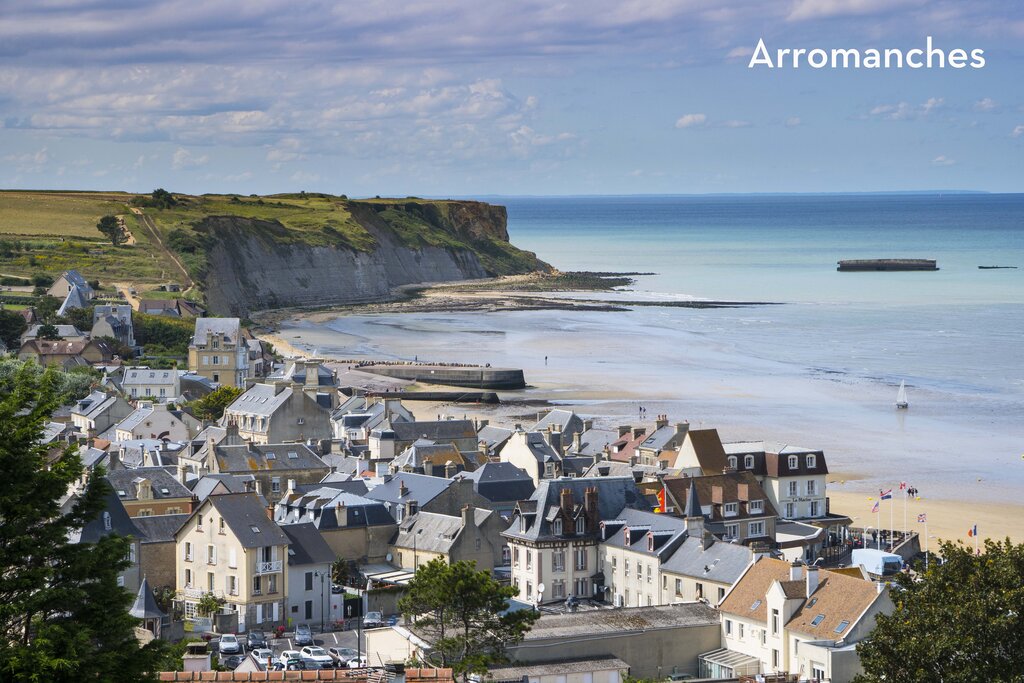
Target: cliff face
{"points": [[251, 264]]}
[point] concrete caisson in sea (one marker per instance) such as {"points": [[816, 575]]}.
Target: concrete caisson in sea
{"points": [[453, 375], [886, 264]]}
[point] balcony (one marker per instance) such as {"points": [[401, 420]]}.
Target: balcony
{"points": [[268, 567]]}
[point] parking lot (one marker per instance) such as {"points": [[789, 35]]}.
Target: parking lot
{"points": [[325, 640]]}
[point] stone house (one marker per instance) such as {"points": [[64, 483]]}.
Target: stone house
{"points": [[151, 383], [67, 354], [219, 351], [275, 467], [148, 491], [309, 574], [354, 527], [69, 280], [391, 438], [734, 504], [474, 535], [157, 548], [152, 420], [534, 453], [98, 412], [114, 321], [405, 493], [280, 413]]}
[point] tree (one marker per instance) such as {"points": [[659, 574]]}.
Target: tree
{"points": [[62, 617], [12, 326], [71, 386], [209, 604], [463, 613], [962, 622], [113, 230], [49, 332], [211, 406]]}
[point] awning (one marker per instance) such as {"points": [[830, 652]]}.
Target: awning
{"points": [[739, 663], [385, 573]]}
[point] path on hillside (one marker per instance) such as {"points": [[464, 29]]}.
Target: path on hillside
{"points": [[148, 224]]}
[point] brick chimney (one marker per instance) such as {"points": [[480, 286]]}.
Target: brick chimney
{"points": [[743, 491], [555, 441], [590, 504], [624, 429], [403, 490], [566, 502], [577, 442], [662, 421]]}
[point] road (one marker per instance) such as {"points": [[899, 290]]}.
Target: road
{"points": [[154, 234]]}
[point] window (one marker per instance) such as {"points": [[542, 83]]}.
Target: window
{"points": [[529, 590], [732, 462], [211, 554], [206, 360], [211, 579], [756, 507], [275, 484], [556, 527], [257, 585], [581, 525], [721, 595], [732, 530], [188, 578], [221, 526], [625, 568], [135, 392], [615, 564], [149, 391], [755, 529], [817, 671], [679, 586], [505, 555], [529, 559], [790, 510], [163, 391], [199, 522], [739, 630], [811, 461], [558, 589], [515, 556], [748, 462], [699, 590], [146, 512], [273, 583], [794, 462], [216, 360], [232, 558], [232, 585], [755, 605], [793, 488], [728, 627], [775, 659], [842, 626], [811, 487], [814, 508], [732, 509], [648, 573], [216, 342], [558, 561], [817, 620], [188, 551], [309, 580], [131, 553], [775, 622], [581, 559], [107, 525]]}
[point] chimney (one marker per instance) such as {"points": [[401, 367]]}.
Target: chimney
{"points": [[115, 459], [796, 572], [312, 374], [743, 492], [411, 508], [717, 494], [662, 421], [467, 516], [812, 580], [519, 427], [638, 476], [590, 501], [291, 487], [182, 473], [637, 432], [624, 429], [450, 470], [566, 502], [403, 490], [577, 442], [707, 539], [555, 441], [259, 487], [280, 386], [588, 425], [540, 416]]}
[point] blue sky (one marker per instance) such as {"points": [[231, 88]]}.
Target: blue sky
{"points": [[465, 97]]}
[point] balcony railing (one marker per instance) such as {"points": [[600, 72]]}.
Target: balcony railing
{"points": [[268, 567]]}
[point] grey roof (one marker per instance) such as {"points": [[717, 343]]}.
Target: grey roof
{"points": [[613, 495], [64, 331], [145, 606], [693, 508], [564, 421], [325, 504], [494, 436], [593, 441], [91, 456], [668, 532], [231, 328], [435, 430], [159, 528], [434, 533], [576, 465], [103, 310], [140, 413], [75, 278], [78, 297], [519, 672], [356, 487], [53, 430], [276, 457], [247, 518], [162, 482], [423, 450], [296, 372], [93, 405], [660, 438], [721, 562], [541, 449], [260, 399], [143, 375], [205, 485], [501, 482], [611, 622], [306, 545], [113, 519], [420, 487]]}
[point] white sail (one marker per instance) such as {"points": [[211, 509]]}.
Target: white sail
{"points": [[901, 396]]}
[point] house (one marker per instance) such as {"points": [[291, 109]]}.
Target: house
{"points": [[176, 308], [591, 442], [281, 412], [98, 412], [701, 448], [624, 448], [353, 526], [65, 332], [275, 466], [405, 493], [474, 535], [309, 574], [69, 280], [534, 454], [219, 351], [801, 620], [299, 371], [114, 321], [734, 504], [67, 354], [665, 437], [152, 420], [151, 383], [157, 548], [76, 298], [492, 438], [563, 422], [114, 520], [229, 547], [634, 544], [150, 491], [438, 460], [554, 535], [502, 484], [391, 438], [354, 420]]}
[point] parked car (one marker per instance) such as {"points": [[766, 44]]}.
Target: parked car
{"points": [[336, 589], [255, 639], [229, 644], [261, 654], [303, 635], [373, 620], [316, 656], [290, 665], [231, 662], [357, 662], [289, 655], [342, 655]]}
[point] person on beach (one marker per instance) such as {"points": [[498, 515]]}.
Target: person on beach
{"points": [[545, 360]]}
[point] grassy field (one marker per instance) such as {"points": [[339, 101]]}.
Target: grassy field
{"points": [[62, 214]]}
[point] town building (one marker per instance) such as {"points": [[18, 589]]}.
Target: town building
{"points": [[354, 420], [701, 448], [281, 412], [151, 383], [64, 332], [276, 467], [157, 548], [66, 354], [405, 493], [98, 412], [219, 351], [309, 575], [150, 491], [114, 520], [662, 444], [734, 504], [534, 453], [474, 536], [391, 438], [502, 484], [67, 282], [152, 420], [114, 321], [354, 527]]}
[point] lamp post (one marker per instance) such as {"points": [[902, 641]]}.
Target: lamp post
{"points": [[322, 575]]}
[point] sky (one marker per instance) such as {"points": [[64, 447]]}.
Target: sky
{"points": [[474, 97]]}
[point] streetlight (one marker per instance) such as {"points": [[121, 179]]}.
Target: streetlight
{"points": [[322, 576]]}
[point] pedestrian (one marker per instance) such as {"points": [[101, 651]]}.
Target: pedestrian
{"points": [[545, 360]]}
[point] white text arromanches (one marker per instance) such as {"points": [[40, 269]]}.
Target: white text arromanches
{"points": [[930, 57]]}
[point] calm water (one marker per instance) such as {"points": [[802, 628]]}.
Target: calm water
{"points": [[820, 370]]}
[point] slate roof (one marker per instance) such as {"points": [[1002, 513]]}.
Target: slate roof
{"points": [[424, 451], [65, 331], [77, 297], [611, 622], [159, 528], [493, 436], [136, 417], [777, 463], [356, 487], [145, 606], [278, 457], [435, 430], [539, 448], [296, 372], [501, 482], [77, 279], [324, 503], [207, 483], [143, 375], [96, 528], [565, 421], [435, 533], [164, 485], [306, 545], [721, 562], [614, 495], [231, 328], [421, 488], [246, 516], [662, 438], [94, 405], [593, 441], [520, 672], [669, 532], [260, 399]]}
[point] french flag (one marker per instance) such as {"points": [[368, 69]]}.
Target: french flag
{"points": [[973, 531], [885, 495]]}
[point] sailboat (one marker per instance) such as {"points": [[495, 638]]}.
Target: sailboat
{"points": [[901, 396]]}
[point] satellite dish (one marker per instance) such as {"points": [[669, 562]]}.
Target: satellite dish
{"points": [[540, 588], [388, 557]]}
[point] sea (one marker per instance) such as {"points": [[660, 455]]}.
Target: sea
{"points": [[817, 365]]}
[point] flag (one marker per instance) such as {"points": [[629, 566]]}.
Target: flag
{"points": [[885, 495], [922, 518], [973, 531], [661, 501], [903, 485], [875, 508]]}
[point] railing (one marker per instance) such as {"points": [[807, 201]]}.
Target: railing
{"points": [[268, 567]]}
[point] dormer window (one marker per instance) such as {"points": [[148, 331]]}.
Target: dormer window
{"points": [[756, 507], [732, 462], [556, 527], [650, 543], [748, 462], [810, 461], [794, 462], [731, 509], [107, 525], [581, 525]]}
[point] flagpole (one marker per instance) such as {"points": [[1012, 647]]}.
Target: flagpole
{"points": [[878, 542], [926, 545], [905, 496], [892, 524]]}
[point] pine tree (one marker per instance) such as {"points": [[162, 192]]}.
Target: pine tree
{"points": [[114, 231], [62, 615]]}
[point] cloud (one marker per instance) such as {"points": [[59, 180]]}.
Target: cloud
{"points": [[793, 122], [691, 120], [735, 123], [985, 104], [1017, 131], [904, 111], [304, 177], [741, 52], [29, 162], [942, 160], [820, 9], [182, 158]]}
